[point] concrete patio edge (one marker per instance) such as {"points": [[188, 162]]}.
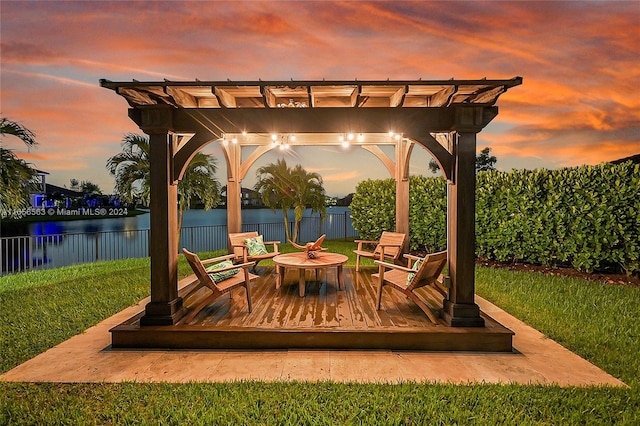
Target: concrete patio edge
{"points": [[89, 358]]}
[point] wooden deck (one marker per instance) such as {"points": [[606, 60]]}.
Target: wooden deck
{"points": [[325, 318]]}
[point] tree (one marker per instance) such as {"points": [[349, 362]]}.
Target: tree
{"points": [[16, 182], [8, 127], [308, 193], [484, 162], [16, 175], [88, 187], [284, 188], [133, 182]]}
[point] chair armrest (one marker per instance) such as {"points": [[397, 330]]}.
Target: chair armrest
{"points": [[239, 245], [217, 259], [240, 265], [275, 244], [392, 266], [362, 242], [412, 257]]}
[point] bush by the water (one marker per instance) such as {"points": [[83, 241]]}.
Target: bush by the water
{"points": [[586, 217]]}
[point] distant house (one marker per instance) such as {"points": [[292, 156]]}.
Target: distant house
{"points": [[249, 197], [45, 195]]}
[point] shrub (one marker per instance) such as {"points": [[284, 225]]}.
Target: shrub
{"points": [[586, 217]]}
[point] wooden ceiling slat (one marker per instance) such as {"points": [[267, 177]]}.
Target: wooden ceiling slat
{"points": [[488, 96], [182, 98], [443, 97]]}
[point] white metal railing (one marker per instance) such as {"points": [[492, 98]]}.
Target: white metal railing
{"points": [[23, 253]]}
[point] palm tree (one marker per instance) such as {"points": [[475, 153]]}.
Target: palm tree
{"points": [[309, 193], [285, 188], [8, 127], [16, 176], [274, 186], [16, 181], [131, 171]]}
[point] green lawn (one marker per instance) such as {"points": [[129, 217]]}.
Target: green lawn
{"points": [[42, 309]]}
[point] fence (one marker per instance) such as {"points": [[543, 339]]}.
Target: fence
{"points": [[52, 251]]}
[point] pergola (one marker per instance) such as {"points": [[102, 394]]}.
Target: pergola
{"points": [[443, 116]]}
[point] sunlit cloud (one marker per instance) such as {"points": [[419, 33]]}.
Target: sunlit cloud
{"points": [[578, 103]]}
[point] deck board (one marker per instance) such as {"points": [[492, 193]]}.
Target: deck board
{"points": [[326, 317]]}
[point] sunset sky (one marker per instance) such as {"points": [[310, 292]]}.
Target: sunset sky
{"points": [[580, 62]]}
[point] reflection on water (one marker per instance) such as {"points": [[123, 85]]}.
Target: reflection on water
{"points": [[191, 218], [54, 244]]}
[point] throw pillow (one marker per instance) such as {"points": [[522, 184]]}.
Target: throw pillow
{"points": [[221, 276], [255, 246], [416, 266]]}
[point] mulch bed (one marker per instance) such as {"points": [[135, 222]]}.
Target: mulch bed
{"points": [[609, 278]]}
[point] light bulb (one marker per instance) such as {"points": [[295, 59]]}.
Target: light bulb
{"points": [[292, 138], [234, 140], [350, 136], [345, 144], [360, 137]]}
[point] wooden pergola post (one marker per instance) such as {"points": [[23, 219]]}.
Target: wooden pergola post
{"points": [[165, 307], [403, 149], [233, 155], [459, 306]]}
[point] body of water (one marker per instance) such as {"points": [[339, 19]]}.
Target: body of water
{"points": [[191, 218], [59, 243]]}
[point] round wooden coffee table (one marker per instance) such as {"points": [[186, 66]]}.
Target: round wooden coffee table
{"points": [[301, 262]]}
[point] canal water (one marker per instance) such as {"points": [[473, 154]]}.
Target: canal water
{"points": [[50, 244], [192, 218]]}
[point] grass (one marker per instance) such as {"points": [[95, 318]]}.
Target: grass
{"points": [[42, 309]]}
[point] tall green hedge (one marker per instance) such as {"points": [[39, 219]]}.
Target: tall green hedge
{"points": [[585, 217], [373, 211]]}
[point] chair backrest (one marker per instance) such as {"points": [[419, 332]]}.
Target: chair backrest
{"points": [[198, 268], [238, 239], [395, 239], [429, 270]]}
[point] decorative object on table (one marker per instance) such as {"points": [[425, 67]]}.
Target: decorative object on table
{"points": [[311, 248]]}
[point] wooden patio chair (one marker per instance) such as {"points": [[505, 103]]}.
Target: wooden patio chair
{"points": [[389, 247], [243, 252], [220, 280], [408, 280]]}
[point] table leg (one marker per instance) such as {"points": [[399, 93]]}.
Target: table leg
{"points": [[340, 278], [301, 282], [279, 273]]}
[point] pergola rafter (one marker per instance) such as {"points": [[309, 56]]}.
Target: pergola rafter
{"points": [[443, 116]]}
